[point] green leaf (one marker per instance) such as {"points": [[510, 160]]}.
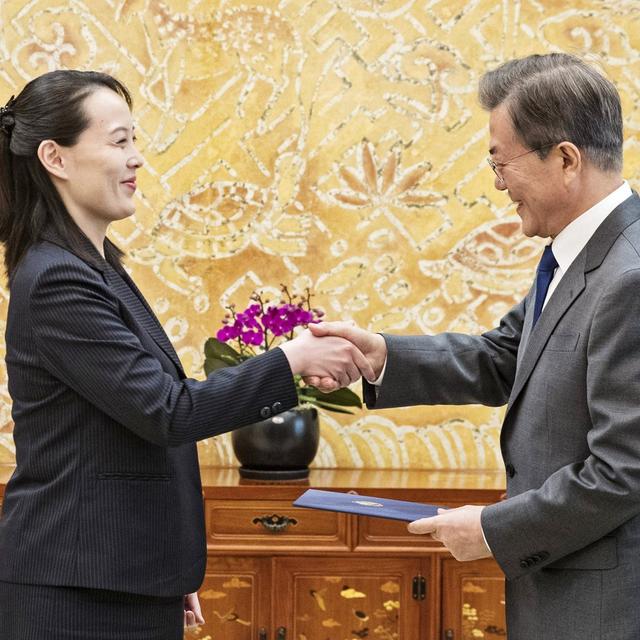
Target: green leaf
{"points": [[213, 348], [302, 400], [311, 395], [342, 397], [331, 407], [211, 364]]}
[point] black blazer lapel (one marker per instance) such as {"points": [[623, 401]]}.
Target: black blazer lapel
{"points": [[570, 287], [124, 287], [114, 276]]}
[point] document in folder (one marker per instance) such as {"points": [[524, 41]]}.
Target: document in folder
{"points": [[365, 505]]}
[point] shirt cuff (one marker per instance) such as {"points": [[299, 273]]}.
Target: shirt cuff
{"points": [[378, 381], [485, 540]]}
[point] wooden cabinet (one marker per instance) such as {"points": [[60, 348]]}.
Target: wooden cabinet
{"points": [[276, 572], [316, 598]]}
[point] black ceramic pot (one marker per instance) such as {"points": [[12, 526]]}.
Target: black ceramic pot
{"points": [[279, 448]]}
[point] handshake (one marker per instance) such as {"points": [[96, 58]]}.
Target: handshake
{"points": [[331, 355]]}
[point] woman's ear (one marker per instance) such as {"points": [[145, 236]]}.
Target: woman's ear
{"points": [[49, 154]]}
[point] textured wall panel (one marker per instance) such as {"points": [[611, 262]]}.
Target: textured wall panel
{"points": [[324, 143]]}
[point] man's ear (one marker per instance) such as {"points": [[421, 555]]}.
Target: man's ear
{"points": [[571, 160], [52, 159]]}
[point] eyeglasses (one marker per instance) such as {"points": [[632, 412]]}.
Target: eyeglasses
{"points": [[496, 166]]}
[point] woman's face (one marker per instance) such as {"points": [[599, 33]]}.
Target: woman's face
{"points": [[100, 168]]}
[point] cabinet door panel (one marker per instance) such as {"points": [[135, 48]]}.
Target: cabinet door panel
{"points": [[235, 598], [348, 599], [472, 600]]}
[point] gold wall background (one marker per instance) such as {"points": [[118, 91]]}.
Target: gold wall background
{"points": [[335, 144]]}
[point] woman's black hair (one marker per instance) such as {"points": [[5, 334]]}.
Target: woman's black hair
{"points": [[50, 107]]}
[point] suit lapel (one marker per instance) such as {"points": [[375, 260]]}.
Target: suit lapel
{"points": [[120, 282], [571, 286], [129, 295], [528, 321]]}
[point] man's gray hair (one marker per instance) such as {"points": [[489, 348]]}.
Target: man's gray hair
{"points": [[556, 97]]}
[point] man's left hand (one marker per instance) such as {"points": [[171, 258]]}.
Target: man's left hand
{"points": [[459, 530]]}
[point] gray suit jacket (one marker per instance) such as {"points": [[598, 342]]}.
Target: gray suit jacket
{"points": [[106, 492], [568, 534]]}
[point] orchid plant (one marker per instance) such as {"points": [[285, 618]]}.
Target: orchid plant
{"points": [[262, 326]]}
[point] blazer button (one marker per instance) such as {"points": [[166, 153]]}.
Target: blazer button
{"points": [[527, 562], [510, 469], [276, 407], [265, 412]]}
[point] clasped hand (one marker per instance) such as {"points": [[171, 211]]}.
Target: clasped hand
{"points": [[331, 355]]}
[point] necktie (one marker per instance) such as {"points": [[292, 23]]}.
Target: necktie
{"points": [[546, 268]]}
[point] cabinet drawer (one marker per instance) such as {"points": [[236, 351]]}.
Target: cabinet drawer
{"points": [[374, 533], [272, 524]]}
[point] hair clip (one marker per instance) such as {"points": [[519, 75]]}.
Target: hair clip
{"points": [[7, 116]]}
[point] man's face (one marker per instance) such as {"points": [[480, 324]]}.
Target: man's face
{"points": [[536, 186]]}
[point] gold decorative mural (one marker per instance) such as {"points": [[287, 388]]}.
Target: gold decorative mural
{"points": [[335, 144]]}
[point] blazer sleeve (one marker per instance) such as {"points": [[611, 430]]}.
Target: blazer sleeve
{"points": [[450, 368], [81, 339], [582, 502]]}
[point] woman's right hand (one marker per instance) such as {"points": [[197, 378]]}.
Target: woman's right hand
{"points": [[326, 357]]}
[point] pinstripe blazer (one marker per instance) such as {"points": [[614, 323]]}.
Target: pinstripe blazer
{"points": [[568, 536], [106, 492]]}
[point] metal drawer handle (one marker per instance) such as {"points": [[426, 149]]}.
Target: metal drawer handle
{"points": [[275, 523]]}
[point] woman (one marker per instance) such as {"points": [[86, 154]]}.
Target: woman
{"points": [[102, 531]]}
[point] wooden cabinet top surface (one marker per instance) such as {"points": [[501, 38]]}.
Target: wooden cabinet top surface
{"points": [[471, 485]]}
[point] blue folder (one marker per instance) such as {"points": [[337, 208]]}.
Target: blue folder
{"points": [[365, 505]]}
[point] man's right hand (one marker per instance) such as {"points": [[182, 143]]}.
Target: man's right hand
{"points": [[371, 345]]}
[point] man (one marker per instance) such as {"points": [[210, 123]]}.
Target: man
{"points": [[566, 360]]}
